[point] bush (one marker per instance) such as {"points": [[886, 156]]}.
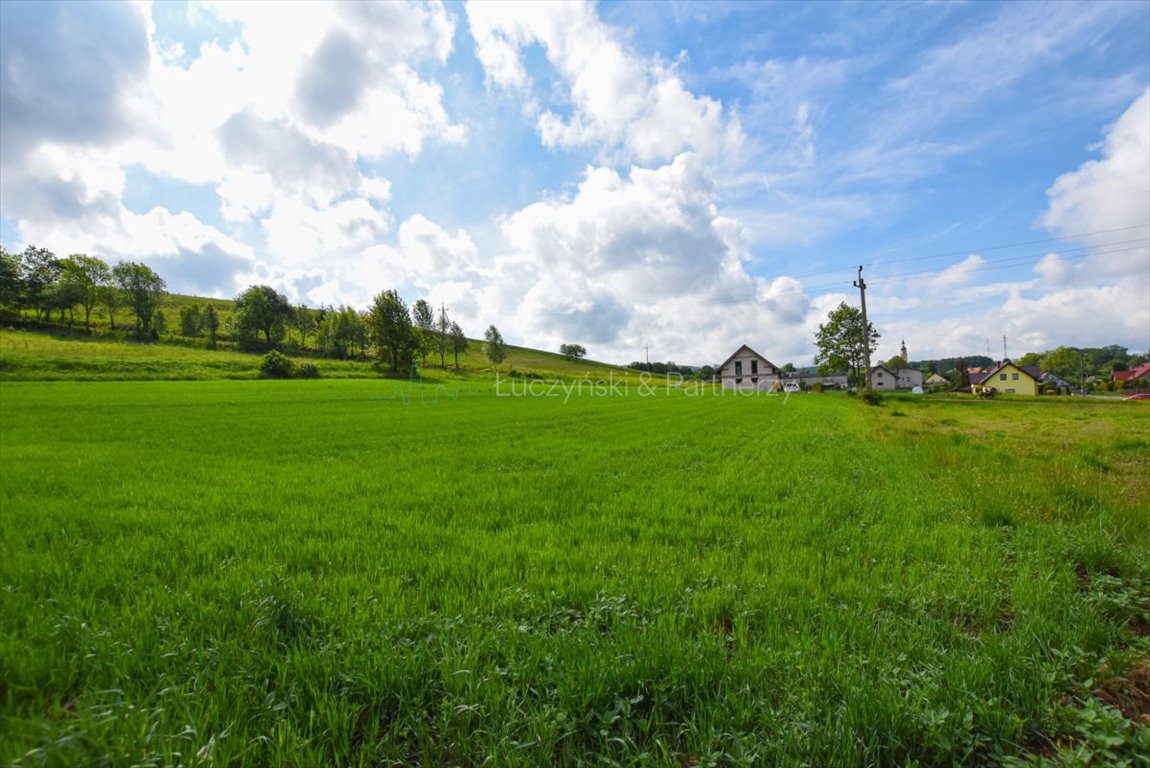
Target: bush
{"points": [[277, 365], [307, 371], [872, 398], [817, 387]]}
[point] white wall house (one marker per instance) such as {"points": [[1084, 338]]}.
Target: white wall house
{"points": [[747, 369], [889, 379]]}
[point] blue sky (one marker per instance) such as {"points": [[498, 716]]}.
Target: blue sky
{"points": [[684, 176]]}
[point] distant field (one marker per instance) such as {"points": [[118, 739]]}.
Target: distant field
{"points": [[320, 573]]}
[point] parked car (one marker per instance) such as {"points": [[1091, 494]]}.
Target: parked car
{"points": [[1138, 396]]}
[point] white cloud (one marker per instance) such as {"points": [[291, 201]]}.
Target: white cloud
{"points": [[1110, 193], [617, 99], [641, 260]]}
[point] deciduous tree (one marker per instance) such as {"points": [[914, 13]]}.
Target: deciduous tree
{"points": [[10, 283], [423, 318], [572, 352], [843, 343], [191, 321], [493, 347], [88, 276], [142, 288], [390, 331], [459, 342], [1064, 362], [210, 322], [442, 329], [39, 271], [261, 309], [305, 323]]}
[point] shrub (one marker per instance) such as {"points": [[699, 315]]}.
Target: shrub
{"points": [[277, 365], [817, 387], [872, 398], [307, 371]]}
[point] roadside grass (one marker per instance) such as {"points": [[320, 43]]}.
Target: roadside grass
{"points": [[300, 573]]}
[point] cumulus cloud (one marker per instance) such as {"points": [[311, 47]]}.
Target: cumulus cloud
{"points": [[59, 83], [640, 259], [277, 120], [617, 99], [1109, 194]]}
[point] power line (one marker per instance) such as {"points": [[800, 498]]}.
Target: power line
{"points": [[1022, 260]]}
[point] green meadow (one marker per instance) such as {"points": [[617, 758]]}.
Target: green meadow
{"points": [[369, 573], [29, 356]]}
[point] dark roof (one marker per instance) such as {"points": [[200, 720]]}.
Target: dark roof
{"points": [[1029, 370]]}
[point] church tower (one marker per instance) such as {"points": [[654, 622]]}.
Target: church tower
{"points": [[903, 350]]}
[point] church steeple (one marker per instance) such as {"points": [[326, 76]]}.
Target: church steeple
{"points": [[903, 350]]}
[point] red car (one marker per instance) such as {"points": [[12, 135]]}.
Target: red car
{"points": [[1139, 396]]}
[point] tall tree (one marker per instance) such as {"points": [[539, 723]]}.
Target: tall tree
{"points": [[142, 288], [442, 329], [843, 343], [305, 323], [210, 321], [87, 276], [39, 271], [261, 309], [493, 347], [423, 317], [11, 286], [459, 342], [340, 331], [390, 330], [1064, 362], [112, 297]]}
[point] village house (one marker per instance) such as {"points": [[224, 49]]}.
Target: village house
{"points": [[746, 369], [935, 380], [1139, 372], [1007, 378], [883, 378]]}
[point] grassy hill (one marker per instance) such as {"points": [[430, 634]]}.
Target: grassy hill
{"points": [[67, 353]]}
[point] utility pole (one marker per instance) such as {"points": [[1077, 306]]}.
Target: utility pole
{"points": [[861, 285], [647, 356], [1004, 355]]}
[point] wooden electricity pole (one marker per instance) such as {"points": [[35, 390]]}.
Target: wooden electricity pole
{"points": [[861, 285]]}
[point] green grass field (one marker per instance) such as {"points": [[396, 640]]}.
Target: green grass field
{"points": [[30, 356], [330, 573]]}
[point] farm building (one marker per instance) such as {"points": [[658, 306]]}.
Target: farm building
{"points": [[1008, 378], [934, 380], [747, 369], [882, 377]]}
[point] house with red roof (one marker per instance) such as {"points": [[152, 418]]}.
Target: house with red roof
{"points": [[1141, 372]]}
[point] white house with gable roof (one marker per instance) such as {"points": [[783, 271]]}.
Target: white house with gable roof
{"points": [[747, 369]]}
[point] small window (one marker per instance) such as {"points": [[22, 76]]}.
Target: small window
{"points": [[1010, 391], [1014, 376], [754, 379], [1002, 377], [738, 367], [738, 379], [754, 367]]}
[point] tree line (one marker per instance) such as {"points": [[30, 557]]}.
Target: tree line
{"points": [[37, 281]]}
